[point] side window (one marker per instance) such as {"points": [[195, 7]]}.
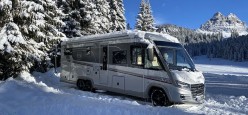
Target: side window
{"points": [[82, 54], [119, 57], [137, 56], [68, 51], [155, 64]]}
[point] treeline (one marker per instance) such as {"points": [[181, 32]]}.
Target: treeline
{"points": [[234, 48], [213, 45], [187, 36]]}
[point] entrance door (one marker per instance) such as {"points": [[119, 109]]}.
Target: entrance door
{"points": [[104, 65]]}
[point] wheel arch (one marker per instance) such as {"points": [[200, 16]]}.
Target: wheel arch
{"points": [[154, 86]]}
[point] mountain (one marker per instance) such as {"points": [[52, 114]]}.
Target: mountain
{"points": [[224, 24]]}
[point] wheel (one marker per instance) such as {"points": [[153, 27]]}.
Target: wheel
{"points": [[88, 86], [81, 85], [85, 85], [159, 98]]}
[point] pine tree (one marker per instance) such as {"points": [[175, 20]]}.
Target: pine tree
{"points": [[128, 26], [14, 51], [75, 16], [145, 21], [5, 12], [30, 31], [101, 17], [86, 17], [117, 15]]}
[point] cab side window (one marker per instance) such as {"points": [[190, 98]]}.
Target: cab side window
{"points": [[137, 56], [155, 64]]}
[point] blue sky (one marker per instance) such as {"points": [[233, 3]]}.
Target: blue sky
{"points": [[187, 13]]}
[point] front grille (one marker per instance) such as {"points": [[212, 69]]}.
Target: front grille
{"points": [[197, 89]]}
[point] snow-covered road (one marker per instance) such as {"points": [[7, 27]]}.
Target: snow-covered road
{"points": [[226, 93], [224, 77]]}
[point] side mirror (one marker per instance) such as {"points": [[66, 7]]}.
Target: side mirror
{"points": [[150, 53]]}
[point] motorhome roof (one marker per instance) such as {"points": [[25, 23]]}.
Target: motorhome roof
{"points": [[142, 35]]}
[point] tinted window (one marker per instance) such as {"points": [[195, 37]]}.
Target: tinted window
{"points": [[137, 56], [119, 57], [155, 64], [82, 54], [68, 51]]}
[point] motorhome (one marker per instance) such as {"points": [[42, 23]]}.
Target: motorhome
{"points": [[148, 65]]}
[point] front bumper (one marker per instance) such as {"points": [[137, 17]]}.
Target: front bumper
{"points": [[196, 94]]}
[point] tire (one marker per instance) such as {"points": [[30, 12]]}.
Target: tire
{"points": [[85, 85], [89, 86], [159, 98], [81, 85]]}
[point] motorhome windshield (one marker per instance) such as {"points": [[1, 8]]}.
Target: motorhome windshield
{"points": [[175, 55]]}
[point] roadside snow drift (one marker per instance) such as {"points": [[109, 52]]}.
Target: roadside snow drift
{"points": [[29, 96]]}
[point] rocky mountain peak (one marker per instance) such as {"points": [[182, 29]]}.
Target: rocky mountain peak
{"points": [[233, 18], [218, 16], [226, 24]]}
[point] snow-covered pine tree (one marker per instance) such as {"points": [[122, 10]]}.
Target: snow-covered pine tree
{"points": [[117, 15], [149, 17], [12, 44], [100, 17], [145, 21], [39, 22], [28, 34], [75, 16], [14, 51], [86, 17], [5, 12]]}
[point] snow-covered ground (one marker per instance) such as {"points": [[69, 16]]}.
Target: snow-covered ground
{"points": [[42, 93]]}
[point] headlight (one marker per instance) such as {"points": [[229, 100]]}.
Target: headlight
{"points": [[183, 85]]}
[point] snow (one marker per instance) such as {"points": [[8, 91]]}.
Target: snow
{"points": [[221, 66], [132, 34], [5, 2], [224, 33], [10, 33], [155, 35], [43, 93]]}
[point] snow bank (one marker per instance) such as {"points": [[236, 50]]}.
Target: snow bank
{"points": [[28, 96], [222, 105]]}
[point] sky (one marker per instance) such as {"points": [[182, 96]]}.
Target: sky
{"points": [[187, 13]]}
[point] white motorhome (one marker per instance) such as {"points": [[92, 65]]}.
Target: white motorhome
{"points": [[143, 64]]}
